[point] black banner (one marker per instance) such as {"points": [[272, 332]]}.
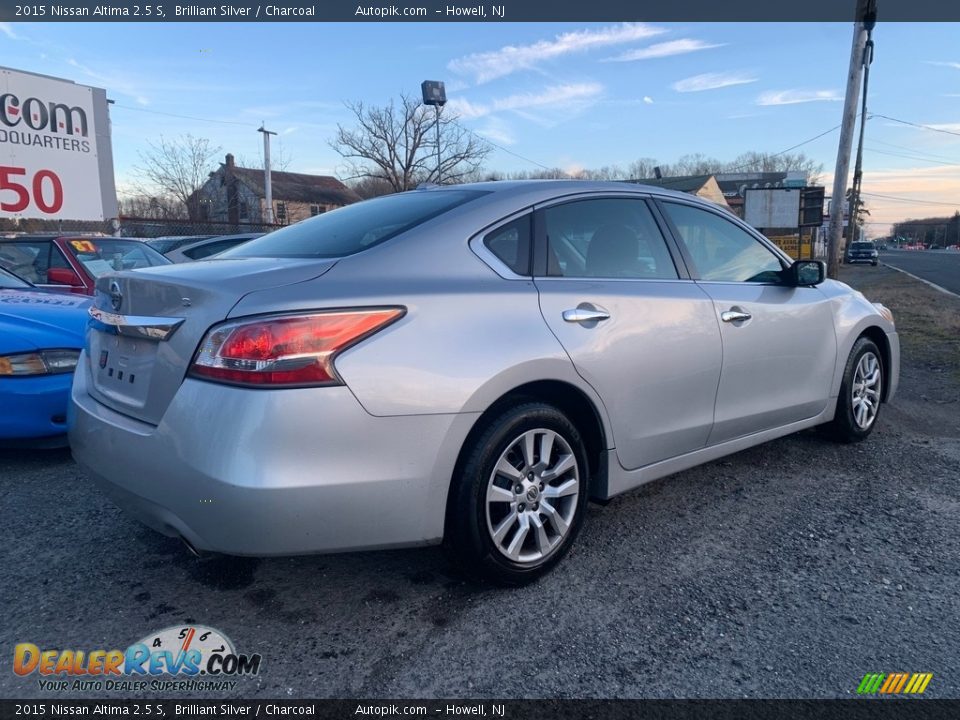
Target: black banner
{"points": [[872, 709], [469, 11]]}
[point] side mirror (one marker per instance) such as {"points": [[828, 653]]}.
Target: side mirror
{"points": [[804, 273], [64, 276]]}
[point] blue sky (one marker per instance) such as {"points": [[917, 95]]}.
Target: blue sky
{"points": [[567, 95]]}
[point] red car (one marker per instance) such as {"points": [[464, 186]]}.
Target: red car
{"points": [[73, 262]]}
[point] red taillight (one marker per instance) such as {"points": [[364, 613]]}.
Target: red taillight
{"points": [[289, 350]]}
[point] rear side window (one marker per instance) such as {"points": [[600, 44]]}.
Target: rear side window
{"points": [[606, 238], [511, 244], [353, 228]]}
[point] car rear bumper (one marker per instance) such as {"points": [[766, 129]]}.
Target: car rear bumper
{"points": [[261, 472], [34, 407], [853, 261]]}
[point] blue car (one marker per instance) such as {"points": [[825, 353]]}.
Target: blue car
{"points": [[41, 334]]}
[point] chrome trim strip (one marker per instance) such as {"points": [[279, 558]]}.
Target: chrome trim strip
{"points": [[152, 328]]}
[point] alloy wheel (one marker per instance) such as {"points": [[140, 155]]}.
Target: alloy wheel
{"points": [[532, 495], [866, 390]]}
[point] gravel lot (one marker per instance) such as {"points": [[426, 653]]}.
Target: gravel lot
{"points": [[789, 570]]}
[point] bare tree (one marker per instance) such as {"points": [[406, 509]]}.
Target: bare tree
{"points": [[370, 187], [280, 159], [782, 162], [397, 143], [642, 168], [154, 207], [177, 168]]}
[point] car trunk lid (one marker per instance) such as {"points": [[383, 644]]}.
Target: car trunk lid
{"points": [[147, 324]]}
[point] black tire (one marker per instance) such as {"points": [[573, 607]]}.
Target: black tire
{"points": [[874, 263], [845, 427], [469, 537]]}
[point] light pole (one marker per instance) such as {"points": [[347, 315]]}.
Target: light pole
{"points": [[435, 94], [267, 181]]}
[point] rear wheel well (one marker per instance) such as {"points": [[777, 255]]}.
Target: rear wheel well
{"points": [[573, 403], [879, 338]]}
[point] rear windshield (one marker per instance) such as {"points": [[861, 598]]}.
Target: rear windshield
{"points": [[355, 227], [166, 244], [103, 255]]}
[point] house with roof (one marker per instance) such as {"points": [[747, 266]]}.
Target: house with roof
{"points": [[703, 186], [236, 195]]}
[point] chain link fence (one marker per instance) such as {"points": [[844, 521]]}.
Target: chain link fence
{"points": [[128, 226]]}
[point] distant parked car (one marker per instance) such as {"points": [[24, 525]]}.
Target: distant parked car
{"points": [[166, 243], [467, 363], [863, 251], [209, 247], [73, 263], [41, 334]]}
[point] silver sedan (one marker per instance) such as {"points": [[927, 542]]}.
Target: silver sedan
{"points": [[463, 364]]}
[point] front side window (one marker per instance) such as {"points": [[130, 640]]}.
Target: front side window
{"points": [[606, 238], [722, 251]]}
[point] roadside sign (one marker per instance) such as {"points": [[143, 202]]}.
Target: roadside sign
{"points": [[811, 206], [771, 207], [56, 160]]}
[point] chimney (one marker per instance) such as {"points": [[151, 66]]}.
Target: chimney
{"points": [[230, 162]]}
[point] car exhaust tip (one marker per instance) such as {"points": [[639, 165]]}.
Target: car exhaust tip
{"points": [[192, 550]]}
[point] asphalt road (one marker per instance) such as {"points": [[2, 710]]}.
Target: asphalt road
{"points": [[941, 267], [788, 570]]}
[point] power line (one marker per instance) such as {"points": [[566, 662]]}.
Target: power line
{"points": [[913, 150], [916, 125], [735, 168], [184, 117], [910, 200], [914, 157], [460, 125]]}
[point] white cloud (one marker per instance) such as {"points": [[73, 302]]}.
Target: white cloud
{"points": [[954, 65], [712, 81], [794, 97], [571, 96], [488, 66], [497, 131], [664, 49], [949, 127], [7, 30], [647, 100]]}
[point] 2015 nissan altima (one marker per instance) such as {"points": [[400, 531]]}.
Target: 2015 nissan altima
{"points": [[464, 364]]}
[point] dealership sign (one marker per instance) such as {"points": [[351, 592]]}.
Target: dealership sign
{"points": [[56, 160]]}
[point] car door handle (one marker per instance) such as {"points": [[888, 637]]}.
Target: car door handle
{"points": [[734, 315], [583, 315]]}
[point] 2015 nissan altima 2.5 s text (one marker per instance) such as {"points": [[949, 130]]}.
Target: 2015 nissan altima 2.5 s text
{"points": [[466, 364]]}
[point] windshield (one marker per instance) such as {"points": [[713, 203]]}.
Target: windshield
{"points": [[103, 255], [859, 245], [9, 281], [355, 227]]}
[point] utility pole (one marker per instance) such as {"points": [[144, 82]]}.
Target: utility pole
{"points": [[434, 93], [866, 12], [267, 183]]}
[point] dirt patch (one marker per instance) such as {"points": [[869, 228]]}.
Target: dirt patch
{"points": [[928, 323]]}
